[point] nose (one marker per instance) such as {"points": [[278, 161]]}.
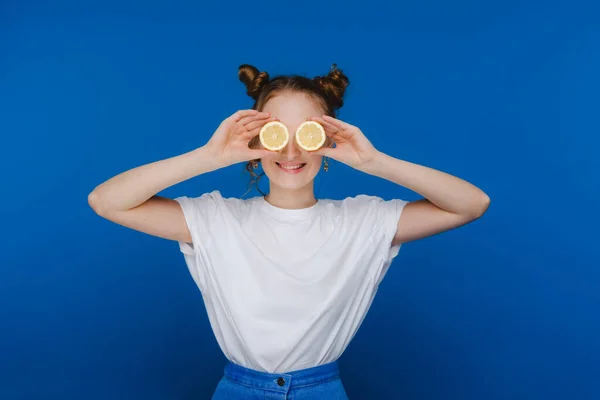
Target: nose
{"points": [[291, 149]]}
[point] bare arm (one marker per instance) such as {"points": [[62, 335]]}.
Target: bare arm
{"points": [[130, 198], [449, 202]]}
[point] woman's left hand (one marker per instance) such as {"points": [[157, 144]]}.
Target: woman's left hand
{"points": [[351, 146]]}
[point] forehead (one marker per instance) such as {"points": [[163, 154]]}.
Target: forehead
{"points": [[292, 108]]}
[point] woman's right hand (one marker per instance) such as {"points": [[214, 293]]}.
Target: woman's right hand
{"points": [[130, 198], [229, 143]]}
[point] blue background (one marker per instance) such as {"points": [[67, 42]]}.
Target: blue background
{"points": [[504, 94]]}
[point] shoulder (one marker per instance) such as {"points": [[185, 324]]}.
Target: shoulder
{"points": [[365, 212], [214, 203], [366, 204], [209, 199]]}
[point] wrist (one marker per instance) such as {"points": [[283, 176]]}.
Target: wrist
{"points": [[207, 158], [375, 164]]}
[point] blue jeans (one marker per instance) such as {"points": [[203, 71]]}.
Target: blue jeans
{"points": [[316, 383]]}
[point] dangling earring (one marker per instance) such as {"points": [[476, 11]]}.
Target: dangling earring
{"points": [[254, 164], [326, 165]]}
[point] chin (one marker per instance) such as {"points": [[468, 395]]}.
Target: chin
{"points": [[291, 175]]}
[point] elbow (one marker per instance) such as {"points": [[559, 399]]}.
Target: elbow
{"points": [[95, 202], [476, 208], [482, 206]]}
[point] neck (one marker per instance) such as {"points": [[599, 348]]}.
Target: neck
{"points": [[291, 198]]}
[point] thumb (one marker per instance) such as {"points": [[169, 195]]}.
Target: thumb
{"points": [[325, 152], [260, 153]]}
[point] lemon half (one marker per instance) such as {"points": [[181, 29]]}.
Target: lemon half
{"points": [[274, 136], [310, 135]]}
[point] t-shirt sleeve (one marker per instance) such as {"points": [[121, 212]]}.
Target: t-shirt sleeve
{"points": [[388, 216], [383, 217], [199, 213]]}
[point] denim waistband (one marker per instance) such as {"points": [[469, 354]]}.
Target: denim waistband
{"points": [[282, 382]]}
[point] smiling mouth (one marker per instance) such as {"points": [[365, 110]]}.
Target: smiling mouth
{"points": [[291, 167]]}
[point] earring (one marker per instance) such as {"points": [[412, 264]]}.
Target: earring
{"points": [[326, 165], [254, 164]]}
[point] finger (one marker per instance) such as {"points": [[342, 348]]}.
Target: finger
{"points": [[335, 133], [252, 133], [330, 129], [250, 118], [260, 153], [242, 113], [256, 130], [259, 123], [338, 122], [325, 151], [324, 123]]}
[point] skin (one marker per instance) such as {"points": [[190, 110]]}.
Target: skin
{"points": [[291, 190], [449, 202], [130, 198]]}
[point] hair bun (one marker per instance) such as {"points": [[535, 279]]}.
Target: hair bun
{"points": [[334, 85], [254, 79]]}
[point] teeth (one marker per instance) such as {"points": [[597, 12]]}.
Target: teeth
{"points": [[290, 166]]}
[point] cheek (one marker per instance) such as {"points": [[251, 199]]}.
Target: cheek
{"points": [[268, 164], [267, 159], [316, 160], [315, 163]]}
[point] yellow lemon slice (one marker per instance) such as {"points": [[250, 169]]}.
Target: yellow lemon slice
{"points": [[274, 136], [310, 135]]}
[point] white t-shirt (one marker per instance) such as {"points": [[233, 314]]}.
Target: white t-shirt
{"points": [[288, 289]]}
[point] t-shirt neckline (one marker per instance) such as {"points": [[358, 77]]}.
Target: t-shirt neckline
{"points": [[287, 212]]}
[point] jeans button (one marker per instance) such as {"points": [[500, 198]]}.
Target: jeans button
{"points": [[280, 381]]}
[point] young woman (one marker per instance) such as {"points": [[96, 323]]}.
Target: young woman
{"points": [[287, 278]]}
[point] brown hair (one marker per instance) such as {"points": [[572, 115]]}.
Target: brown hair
{"points": [[327, 91]]}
